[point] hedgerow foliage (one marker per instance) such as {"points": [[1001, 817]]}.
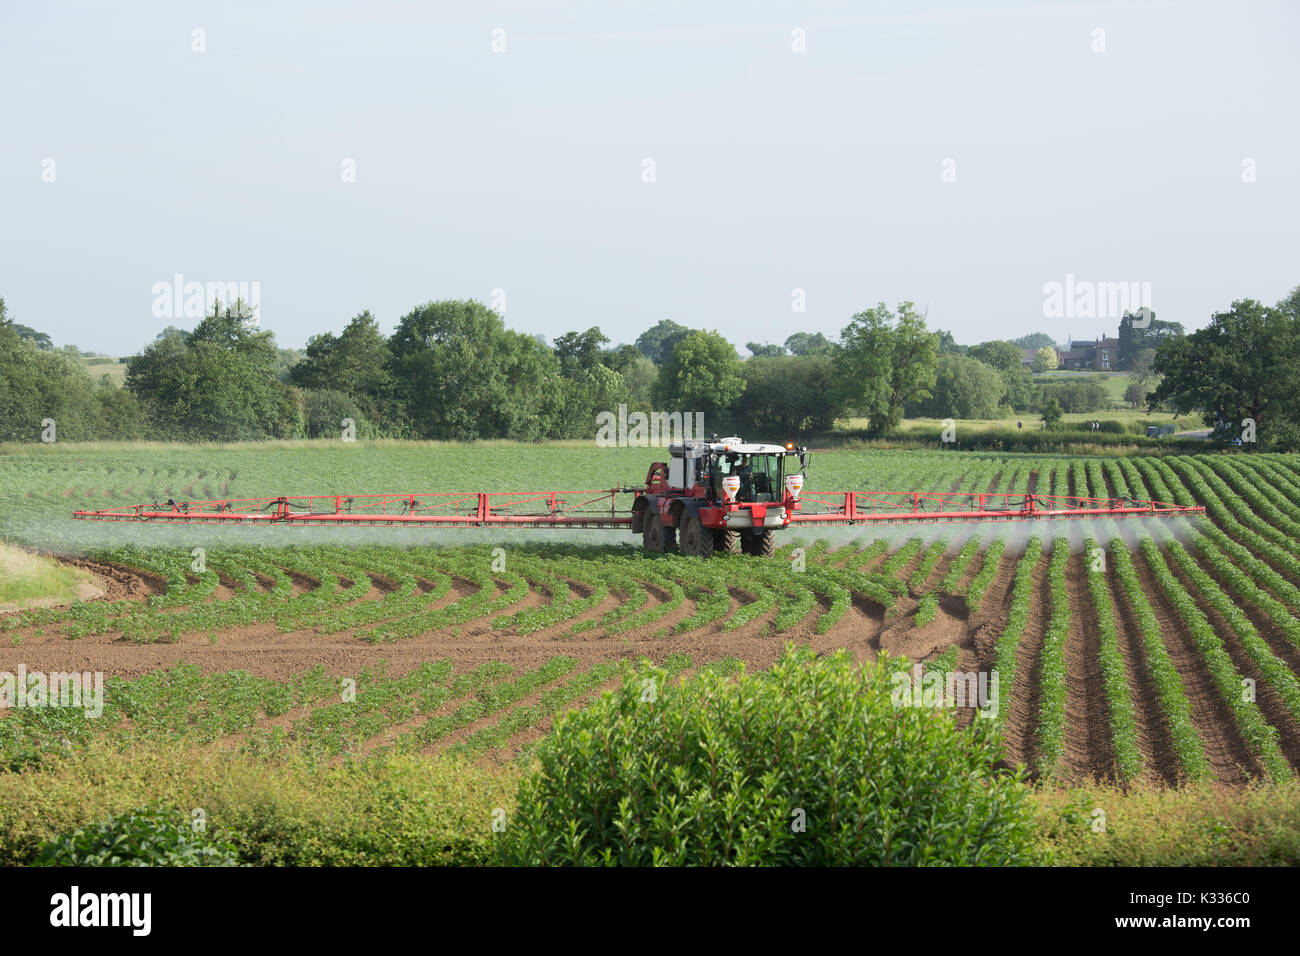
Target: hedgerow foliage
{"points": [[810, 763], [146, 836]]}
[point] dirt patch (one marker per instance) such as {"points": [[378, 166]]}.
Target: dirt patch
{"points": [[922, 643], [121, 583], [302, 584]]}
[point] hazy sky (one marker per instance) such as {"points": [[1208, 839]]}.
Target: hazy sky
{"points": [[524, 170]]}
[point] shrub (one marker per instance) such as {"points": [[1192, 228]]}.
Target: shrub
{"points": [[324, 411], [1077, 395], [145, 836], [397, 810], [810, 763]]}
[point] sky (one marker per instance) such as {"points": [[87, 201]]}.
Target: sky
{"points": [[758, 168]]}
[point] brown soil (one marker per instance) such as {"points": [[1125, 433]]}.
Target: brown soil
{"points": [[120, 582], [921, 643]]}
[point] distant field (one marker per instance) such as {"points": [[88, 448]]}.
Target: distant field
{"points": [[97, 368], [1030, 420], [1113, 382]]}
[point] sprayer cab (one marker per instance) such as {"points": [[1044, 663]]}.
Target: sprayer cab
{"points": [[721, 494]]}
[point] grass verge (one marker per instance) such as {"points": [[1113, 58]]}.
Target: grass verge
{"points": [[27, 579]]}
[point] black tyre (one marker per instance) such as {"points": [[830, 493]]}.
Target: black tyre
{"points": [[726, 542], [697, 540], [654, 537], [764, 543]]}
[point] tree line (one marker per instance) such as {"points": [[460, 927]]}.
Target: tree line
{"points": [[452, 370]]}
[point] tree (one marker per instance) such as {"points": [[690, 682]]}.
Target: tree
{"points": [[1135, 394], [1241, 366], [702, 374], [657, 342], [324, 410], [1044, 359], [1035, 340], [885, 363], [38, 384], [118, 414], [1133, 337], [40, 339], [585, 395], [1290, 305], [788, 395], [999, 354], [948, 345], [1142, 367], [1076, 395], [462, 375], [217, 383], [1008, 360], [355, 362], [763, 350], [963, 388], [622, 357], [579, 352], [1050, 410], [805, 343], [638, 372]]}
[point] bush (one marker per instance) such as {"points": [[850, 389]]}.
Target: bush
{"points": [[146, 836], [1148, 825], [720, 771], [787, 395], [286, 811], [324, 411], [1075, 396]]}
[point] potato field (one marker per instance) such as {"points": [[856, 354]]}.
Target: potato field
{"points": [[1125, 650]]}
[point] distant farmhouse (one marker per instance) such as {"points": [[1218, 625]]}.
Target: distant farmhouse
{"points": [[1103, 354], [1029, 356], [1099, 356]]}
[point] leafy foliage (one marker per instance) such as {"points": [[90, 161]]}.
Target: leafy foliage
{"points": [[148, 836], [463, 375], [701, 374], [886, 361], [1243, 365], [810, 764]]}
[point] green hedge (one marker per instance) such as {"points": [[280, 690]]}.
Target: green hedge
{"points": [[811, 763], [398, 811]]}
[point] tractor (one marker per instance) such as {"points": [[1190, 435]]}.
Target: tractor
{"points": [[720, 495]]}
